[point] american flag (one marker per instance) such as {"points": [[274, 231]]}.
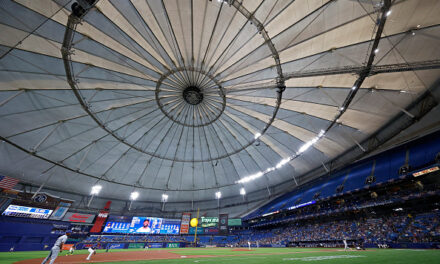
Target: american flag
{"points": [[7, 182]]}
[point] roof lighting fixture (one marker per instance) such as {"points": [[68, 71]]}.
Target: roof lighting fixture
{"points": [[164, 197], [304, 147], [284, 161], [376, 51], [354, 87], [269, 169], [341, 109], [96, 189], [218, 195], [388, 13], [134, 196], [242, 191], [257, 135]]}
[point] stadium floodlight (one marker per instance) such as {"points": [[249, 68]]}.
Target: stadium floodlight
{"points": [[388, 13], [134, 196], [96, 189], [242, 191], [376, 51], [218, 195], [164, 197], [257, 135]]}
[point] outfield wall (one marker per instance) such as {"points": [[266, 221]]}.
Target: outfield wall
{"points": [[29, 234]]}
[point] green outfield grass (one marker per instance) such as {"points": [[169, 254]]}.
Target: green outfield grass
{"points": [[11, 257], [269, 256]]}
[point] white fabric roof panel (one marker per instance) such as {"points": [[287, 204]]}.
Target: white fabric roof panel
{"points": [[170, 95]]}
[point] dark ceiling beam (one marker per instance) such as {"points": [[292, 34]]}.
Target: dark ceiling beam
{"points": [[398, 67], [379, 69]]}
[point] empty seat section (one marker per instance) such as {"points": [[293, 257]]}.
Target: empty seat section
{"points": [[329, 187], [356, 177]]}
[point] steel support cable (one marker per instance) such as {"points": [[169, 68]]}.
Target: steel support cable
{"points": [[160, 50], [221, 58], [362, 75], [69, 119], [261, 26], [86, 146], [128, 38], [66, 50], [247, 150], [32, 32]]}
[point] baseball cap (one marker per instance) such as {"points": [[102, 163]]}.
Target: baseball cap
{"points": [[68, 231]]}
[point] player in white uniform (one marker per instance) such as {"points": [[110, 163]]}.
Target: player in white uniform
{"points": [[345, 245], [92, 251], [71, 250], [57, 248]]}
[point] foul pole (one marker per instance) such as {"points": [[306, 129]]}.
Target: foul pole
{"points": [[195, 233]]}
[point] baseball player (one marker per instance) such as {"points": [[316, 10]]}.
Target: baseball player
{"points": [[57, 248], [71, 250], [92, 251], [345, 244]]}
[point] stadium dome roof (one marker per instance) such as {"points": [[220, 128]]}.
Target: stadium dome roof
{"points": [[187, 98]]}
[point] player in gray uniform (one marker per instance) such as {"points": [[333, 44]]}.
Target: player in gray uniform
{"points": [[57, 248]]}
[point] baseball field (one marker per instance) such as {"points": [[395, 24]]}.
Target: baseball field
{"points": [[231, 256]]}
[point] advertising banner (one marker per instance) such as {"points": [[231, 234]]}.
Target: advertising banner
{"points": [[211, 230], [223, 224], [100, 220], [192, 230], [184, 226], [24, 211], [60, 211], [113, 246], [208, 221], [173, 245], [79, 218], [136, 245], [155, 245], [234, 222]]}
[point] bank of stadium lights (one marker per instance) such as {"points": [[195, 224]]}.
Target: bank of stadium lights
{"points": [[95, 189], [243, 191], [257, 136], [284, 161], [164, 200], [218, 195], [134, 196]]}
